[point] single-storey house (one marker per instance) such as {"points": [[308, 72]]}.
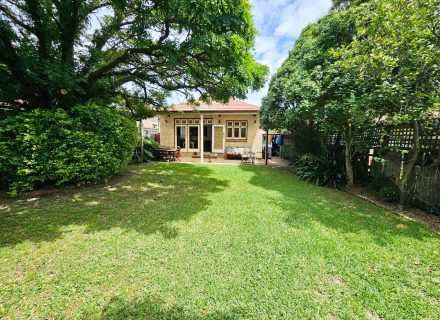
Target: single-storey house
{"points": [[212, 127]]}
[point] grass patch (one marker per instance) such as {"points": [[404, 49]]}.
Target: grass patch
{"points": [[180, 241]]}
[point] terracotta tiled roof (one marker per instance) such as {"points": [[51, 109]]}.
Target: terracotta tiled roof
{"points": [[232, 106]]}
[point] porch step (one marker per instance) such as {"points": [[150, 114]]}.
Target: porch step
{"points": [[206, 155]]}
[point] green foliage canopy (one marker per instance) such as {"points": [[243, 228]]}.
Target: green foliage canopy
{"points": [[395, 59], [61, 53], [377, 59], [309, 88]]}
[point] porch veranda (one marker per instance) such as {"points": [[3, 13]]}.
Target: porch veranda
{"points": [[274, 162]]}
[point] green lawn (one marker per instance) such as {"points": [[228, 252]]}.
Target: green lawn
{"points": [[178, 241]]}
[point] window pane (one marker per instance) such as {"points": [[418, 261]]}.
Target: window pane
{"points": [[230, 123], [236, 132], [183, 121], [190, 121], [244, 123], [244, 132], [181, 137], [193, 137], [229, 132], [177, 121], [237, 123]]}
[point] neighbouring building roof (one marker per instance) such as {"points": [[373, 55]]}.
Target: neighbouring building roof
{"points": [[151, 123], [232, 106]]}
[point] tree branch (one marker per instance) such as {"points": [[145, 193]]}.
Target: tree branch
{"points": [[95, 75], [8, 13], [97, 7], [166, 34]]}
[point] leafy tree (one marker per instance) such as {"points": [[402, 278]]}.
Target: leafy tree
{"points": [[365, 61], [395, 59], [311, 90], [59, 53]]}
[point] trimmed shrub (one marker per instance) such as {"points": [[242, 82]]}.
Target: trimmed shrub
{"points": [[57, 147]]}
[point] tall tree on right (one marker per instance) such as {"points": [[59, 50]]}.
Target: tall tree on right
{"points": [[395, 59], [311, 90], [365, 60]]}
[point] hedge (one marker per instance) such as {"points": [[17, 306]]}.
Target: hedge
{"points": [[58, 147]]}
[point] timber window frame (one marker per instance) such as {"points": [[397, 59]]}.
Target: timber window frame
{"points": [[236, 130]]}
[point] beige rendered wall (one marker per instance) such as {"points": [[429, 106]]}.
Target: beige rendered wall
{"points": [[253, 140]]}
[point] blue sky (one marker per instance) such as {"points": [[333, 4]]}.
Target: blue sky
{"points": [[279, 23]]}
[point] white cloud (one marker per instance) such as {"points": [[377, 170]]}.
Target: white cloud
{"points": [[264, 44], [279, 23], [298, 15], [265, 12]]}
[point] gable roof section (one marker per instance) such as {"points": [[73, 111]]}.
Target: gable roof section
{"points": [[232, 106]]}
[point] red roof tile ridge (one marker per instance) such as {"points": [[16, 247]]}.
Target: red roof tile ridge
{"points": [[232, 105]]}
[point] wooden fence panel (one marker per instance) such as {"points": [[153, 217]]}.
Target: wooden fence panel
{"points": [[388, 142]]}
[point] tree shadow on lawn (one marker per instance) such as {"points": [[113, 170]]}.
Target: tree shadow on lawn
{"points": [[307, 204], [145, 198], [119, 308]]}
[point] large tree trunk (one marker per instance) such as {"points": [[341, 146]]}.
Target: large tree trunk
{"points": [[348, 166], [68, 32], [348, 156], [407, 167]]}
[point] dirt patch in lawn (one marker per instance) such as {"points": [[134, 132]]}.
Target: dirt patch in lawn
{"points": [[372, 315], [336, 281]]}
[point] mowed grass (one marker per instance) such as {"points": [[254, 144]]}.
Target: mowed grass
{"points": [[180, 241]]}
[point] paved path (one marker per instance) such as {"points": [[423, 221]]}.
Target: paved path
{"points": [[274, 162]]}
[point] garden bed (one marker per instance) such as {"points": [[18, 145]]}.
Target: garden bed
{"points": [[372, 196]]}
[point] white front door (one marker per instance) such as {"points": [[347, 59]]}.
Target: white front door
{"points": [[218, 138]]}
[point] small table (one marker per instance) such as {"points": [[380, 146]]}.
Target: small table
{"points": [[165, 154], [248, 158]]}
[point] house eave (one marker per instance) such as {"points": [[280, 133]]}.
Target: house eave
{"points": [[208, 112]]}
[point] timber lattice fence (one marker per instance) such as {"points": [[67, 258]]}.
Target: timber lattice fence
{"points": [[384, 149]]}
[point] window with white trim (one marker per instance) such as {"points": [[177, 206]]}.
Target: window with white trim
{"points": [[236, 129]]}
